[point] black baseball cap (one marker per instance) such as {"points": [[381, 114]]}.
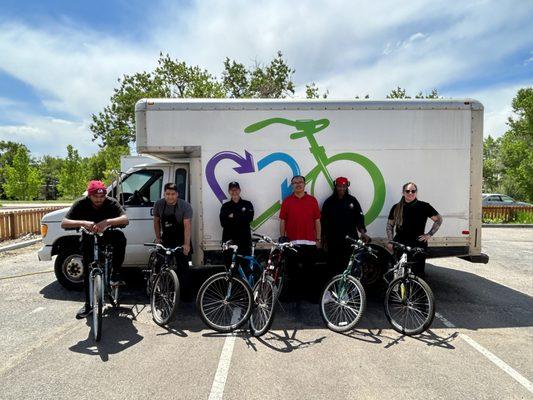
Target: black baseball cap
{"points": [[233, 184]]}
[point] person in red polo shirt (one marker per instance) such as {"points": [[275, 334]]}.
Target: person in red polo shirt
{"points": [[300, 223]]}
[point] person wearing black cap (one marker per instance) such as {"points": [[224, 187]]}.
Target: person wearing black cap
{"points": [[341, 215], [235, 217]]}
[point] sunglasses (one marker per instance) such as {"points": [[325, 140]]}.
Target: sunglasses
{"points": [[410, 191]]}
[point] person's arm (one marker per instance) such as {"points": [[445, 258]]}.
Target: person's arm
{"points": [[224, 218], [157, 229], [282, 228], [68, 223], [249, 213], [360, 222], [390, 233], [187, 236], [437, 222], [318, 229]]}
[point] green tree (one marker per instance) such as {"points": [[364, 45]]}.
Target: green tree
{"points": [[492, 169], [73, 177], [115, 125], [400, 93], [22, 180], [516, 153], [312, 92], [50, 169], [8, 150]]}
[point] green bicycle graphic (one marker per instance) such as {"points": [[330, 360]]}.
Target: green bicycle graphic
{"points": [[307, 129]]}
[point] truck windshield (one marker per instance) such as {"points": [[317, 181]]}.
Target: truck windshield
{"points": [[141, 188]]}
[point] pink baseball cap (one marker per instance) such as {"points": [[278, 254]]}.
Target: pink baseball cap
{"points": [[96, 187]]}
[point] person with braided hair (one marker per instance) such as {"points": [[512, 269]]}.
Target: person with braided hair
{"points": [[407, 223]]}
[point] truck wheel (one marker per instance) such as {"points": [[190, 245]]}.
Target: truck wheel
{"points": [[68, 268]]}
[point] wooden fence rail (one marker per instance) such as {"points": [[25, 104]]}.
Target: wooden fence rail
{"points": [[16, 223], [505, 213]]}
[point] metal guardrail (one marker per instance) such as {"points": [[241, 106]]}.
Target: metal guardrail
{"points": [[16, 223]]}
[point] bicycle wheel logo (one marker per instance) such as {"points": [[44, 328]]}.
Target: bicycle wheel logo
{"points": [[304, 129]]}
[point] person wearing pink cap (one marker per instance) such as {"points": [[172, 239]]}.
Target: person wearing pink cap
{"points": [[341, 215], [96, 212]]}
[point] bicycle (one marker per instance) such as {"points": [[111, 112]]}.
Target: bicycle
{"points": [[409, 301], [99, 283], [162, 284], [225, 299], [343, 299], [307, 129], [267, 289]]}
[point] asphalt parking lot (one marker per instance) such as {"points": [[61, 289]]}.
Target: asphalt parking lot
{"points": [[480, 345]]}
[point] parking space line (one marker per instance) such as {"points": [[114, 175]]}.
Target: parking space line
{"points": [[492, 357], [219, 382]]}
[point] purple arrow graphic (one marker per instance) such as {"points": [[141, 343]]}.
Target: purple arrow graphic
{"points": [[246, 165]]}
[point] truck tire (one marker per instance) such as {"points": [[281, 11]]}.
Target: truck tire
{"points": [[68, 268]]}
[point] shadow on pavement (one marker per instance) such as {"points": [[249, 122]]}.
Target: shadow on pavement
{"points": [[467, 300], [119, 333]]}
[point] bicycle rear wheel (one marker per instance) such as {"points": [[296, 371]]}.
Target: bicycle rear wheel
{"points": [[265, 296], [409, 305], [224, 302], [343, 303], [164, 297], [98, 290]]}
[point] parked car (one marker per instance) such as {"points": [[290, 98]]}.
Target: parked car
{"points": [[498, 199]]}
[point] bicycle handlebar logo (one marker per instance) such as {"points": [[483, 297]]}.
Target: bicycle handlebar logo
{"points": [[304, 129]]}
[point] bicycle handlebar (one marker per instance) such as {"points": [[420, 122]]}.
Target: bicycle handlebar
{"points": [[407, 249], [88, 232], [160, 246]]}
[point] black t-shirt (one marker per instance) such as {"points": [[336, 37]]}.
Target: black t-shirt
{"points": [[415, 216], [341, 217], [83, 209], [237, 227]]}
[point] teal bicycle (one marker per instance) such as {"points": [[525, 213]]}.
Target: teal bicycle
{"points": [[307, 129]]}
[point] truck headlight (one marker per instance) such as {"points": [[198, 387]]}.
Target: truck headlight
{"points": [[44, 230]]}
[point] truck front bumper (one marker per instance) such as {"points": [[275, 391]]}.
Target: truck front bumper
{"points": [[45, 253]]}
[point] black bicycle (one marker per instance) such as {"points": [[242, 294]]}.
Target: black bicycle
{"points": [[162, 284], [268, 288], [343, 300], [224, 300], [409, 301], [99, 281]]}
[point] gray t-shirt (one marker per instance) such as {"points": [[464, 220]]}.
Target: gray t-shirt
{"points": [[182, 209]]}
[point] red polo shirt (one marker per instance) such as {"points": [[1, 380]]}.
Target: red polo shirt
{"points": [[299, 215]]}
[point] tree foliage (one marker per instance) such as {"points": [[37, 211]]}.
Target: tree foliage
{"points": [[73, 177], [22, 181]]}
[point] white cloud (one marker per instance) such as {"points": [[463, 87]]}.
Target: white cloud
{"points": [[50, 136], [348, 48]]}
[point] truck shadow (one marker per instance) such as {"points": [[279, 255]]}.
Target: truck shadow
{"points": [[465, 299]]}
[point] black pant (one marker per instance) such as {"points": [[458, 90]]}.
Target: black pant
{"points": [[184, 276], [337, 258], [303, 280], [114, 238]]}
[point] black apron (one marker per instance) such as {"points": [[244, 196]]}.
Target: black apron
{"points": [[172, 230]]}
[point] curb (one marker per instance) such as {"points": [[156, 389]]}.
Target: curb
{"points": [[507, 226], [19, 245]]}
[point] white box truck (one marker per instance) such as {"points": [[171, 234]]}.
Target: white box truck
{"points": [[203, 144]]}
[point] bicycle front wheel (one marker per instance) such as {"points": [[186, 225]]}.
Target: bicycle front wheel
{"points": [[409, 305], [164, 297], [343, 303], [265, 295], [98, 290], [224, 302]]}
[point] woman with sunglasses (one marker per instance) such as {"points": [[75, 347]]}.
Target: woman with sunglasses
{"points": [[408, 218]]}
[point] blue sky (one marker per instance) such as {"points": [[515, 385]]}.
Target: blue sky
{"points": [[59, 61]]}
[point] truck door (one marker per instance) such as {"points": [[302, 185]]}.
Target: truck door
{"points": [[181, 178], [140, 190]]}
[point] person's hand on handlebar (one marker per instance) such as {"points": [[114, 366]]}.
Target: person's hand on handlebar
{"points": [[186, 249], [89, 225], [390, 247], [101, 226]]}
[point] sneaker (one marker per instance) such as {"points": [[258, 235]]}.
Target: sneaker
{"points": [[84, 311]]}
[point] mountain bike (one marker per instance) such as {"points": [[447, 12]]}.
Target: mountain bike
{"points": [[99, 282], [267, 289], [409, 301], [307, 129], [162, 284], [343, 300], [225, 299]]}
